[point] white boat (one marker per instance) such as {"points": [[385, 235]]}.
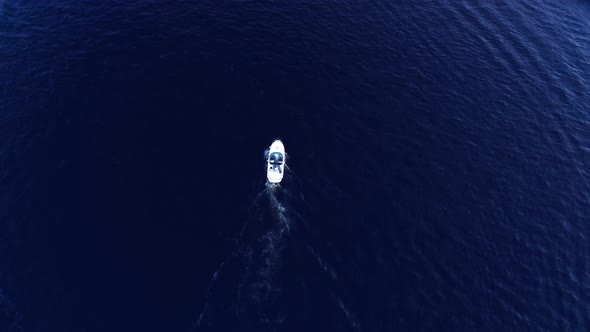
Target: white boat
{"points": [[275, 168]]}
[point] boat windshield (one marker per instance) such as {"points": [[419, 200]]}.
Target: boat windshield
{"points": [[276, 158]]}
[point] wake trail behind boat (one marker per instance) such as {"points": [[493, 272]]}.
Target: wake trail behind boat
{"points": [[244, 287]]}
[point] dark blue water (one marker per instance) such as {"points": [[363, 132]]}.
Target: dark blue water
{"points": [[438, 156]]}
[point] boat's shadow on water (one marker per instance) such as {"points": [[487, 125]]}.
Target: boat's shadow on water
{"points": [[245, 287]]}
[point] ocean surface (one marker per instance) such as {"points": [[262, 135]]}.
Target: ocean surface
{"points": [[438, 154]]}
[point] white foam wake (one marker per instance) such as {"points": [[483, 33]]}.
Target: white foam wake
{"points": [[255, 262]]}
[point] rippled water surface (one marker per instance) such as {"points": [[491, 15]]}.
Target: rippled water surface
{"points": [[438, 159]]}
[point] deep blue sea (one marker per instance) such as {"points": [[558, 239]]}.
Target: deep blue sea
{"points": [[438, 154]]}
